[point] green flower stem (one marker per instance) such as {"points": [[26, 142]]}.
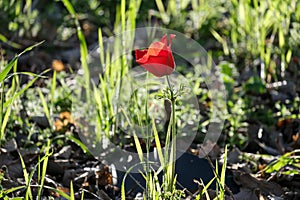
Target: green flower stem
{"points": [[148, 141], [173, 137]]}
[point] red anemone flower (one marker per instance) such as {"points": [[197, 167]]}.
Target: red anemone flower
{"points": [[158, 58]]}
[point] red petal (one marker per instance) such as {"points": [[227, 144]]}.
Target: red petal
{"points": [[158, 59], [160, 65], [164, 39], [157, 69], [171, 38], [140, 53], [155, 48]]}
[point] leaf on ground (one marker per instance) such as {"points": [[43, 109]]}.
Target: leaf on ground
{"points": [[253, 184], [10, 145], [104, 177], [58, 65]]}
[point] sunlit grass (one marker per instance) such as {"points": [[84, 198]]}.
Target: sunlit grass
{"points": [[244, 32]]}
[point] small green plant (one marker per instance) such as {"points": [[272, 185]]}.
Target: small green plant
{"points": [[220, 178], [286, 164], [12, 93], [256, 31], [21, 20], [188, 16], [154, 189], [40, 168]]}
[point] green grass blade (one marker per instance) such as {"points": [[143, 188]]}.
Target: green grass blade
{"points": [[6, 70], [157, 143], [221, 40], [224, 166], [83, 49], [223, 173], [10, 43], [9, 101], [61, 193], [6, 192], [123, 14], [123, 195], [26, 73], [26, 177], [164, 16], [84, 62], [44, 168], [79, 143], [101, 47], [82, 195], [72, 195], [53, 88], [45, 105], [4, 123], [204, 190], [70, 8], [138, 147]]}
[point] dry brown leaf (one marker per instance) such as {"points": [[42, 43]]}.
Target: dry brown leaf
{"points": [[58, 124], [58, 65], [65, 119], [295, 137], [254, 184], [104, 177]]}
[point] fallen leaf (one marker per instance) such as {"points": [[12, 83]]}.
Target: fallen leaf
{"points": [[58, 124], [104, 177], [58, 65], [249, 182]]}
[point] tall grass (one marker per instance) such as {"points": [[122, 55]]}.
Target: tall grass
{"points": [[83, 50], [115, 66], [188, 16], [7, 97], [221, 187], [256, 29], [41, 169]]}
